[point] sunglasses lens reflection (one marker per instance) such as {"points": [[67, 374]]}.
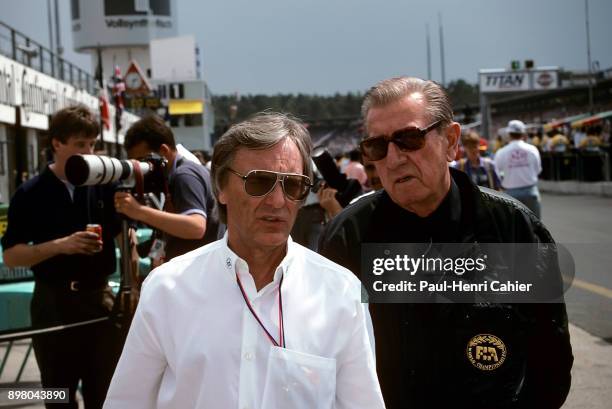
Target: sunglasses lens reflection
{"points": [[296, 187], [375, 148], [260, 183], [410, 139]]}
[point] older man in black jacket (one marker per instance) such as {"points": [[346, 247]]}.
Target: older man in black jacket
{"points": [[421, 348]]}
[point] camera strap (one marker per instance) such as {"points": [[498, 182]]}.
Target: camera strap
{"points": [[168, 204], [139, 179]]}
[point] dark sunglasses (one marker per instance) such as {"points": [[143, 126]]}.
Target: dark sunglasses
{"points": [[407, 139], [259, 183]]}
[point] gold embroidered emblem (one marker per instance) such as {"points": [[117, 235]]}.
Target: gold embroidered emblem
{"points": [[486, 352]]}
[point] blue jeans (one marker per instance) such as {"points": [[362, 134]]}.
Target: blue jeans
{"points": [[529, 196]]}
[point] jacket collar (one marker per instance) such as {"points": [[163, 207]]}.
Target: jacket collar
{"points": [[476, 222]]}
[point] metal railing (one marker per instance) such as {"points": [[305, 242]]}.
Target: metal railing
{"points": [[584, 166], [21, 48]]}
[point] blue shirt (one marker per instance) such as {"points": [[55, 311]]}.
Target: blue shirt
{"points": [[191, 193], [484, 174]]}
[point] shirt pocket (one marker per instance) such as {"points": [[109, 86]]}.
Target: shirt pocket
{"points": [[298, 380]]}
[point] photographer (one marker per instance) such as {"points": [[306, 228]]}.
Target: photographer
{"points": [[187, 220], [328, 195], [46, 231], [331, 192]]}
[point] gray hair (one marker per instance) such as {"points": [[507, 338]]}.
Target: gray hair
{"points": [[438, 106], [262, 131]]}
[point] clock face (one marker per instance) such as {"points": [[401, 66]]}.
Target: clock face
{"points": [[133, 80]]}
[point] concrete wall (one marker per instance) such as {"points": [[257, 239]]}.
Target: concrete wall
{"points": [[191, 138], [574, 187]]}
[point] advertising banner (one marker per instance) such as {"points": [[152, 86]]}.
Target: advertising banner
{"points": [[492, 81]]}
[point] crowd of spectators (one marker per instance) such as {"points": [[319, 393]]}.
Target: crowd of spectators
{"points": [[582, 153]]}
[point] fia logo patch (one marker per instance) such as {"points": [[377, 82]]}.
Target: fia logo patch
{"points": [[486, 352]]}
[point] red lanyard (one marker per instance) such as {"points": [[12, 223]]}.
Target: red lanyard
{"points": [[281, 326]]}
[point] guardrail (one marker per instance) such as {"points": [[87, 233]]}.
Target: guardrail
{"points": [[23, 49], [584, 166]]}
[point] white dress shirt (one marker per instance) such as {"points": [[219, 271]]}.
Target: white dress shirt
{"points": [[194, 343], [519, 164]]}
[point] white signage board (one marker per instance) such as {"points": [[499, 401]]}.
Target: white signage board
{"points": [[7, 114], [174, 59], [546, 79], [505, 81], [36, 92], [38, 96], [119, 23], [499, 80], [8, 98], [29, 119]]}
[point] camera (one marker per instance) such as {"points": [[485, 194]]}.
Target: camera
{"points": [[317, 179], [348, 189], [90, 170]]}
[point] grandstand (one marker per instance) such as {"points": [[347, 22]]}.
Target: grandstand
{"points": [[337, 135]]}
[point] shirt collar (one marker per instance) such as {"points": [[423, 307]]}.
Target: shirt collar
{"points": [[450, 207], [47, 173], [177, 158], [234, 264], [454, 198]]}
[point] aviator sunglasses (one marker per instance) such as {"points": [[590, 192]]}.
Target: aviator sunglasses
{"points": [[258, 183], [407, 139]]}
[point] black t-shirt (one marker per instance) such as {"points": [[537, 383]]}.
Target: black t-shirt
{"points": [[42, 210], [191, 193]]}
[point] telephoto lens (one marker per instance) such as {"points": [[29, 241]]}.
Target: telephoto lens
{"points": [[89, 170]]}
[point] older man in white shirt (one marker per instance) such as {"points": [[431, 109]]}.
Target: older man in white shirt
{"points": [[519, 164], [252, 320]]}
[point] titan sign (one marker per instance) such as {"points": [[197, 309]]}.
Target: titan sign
{"points": [[512, 81]]}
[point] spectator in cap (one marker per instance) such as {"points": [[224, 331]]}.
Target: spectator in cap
{"points": [[519, 165]]}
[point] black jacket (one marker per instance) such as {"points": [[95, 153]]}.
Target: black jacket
{"points": [[422, 349]]}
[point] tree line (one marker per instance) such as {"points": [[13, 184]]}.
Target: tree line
{"points": [[313, 108]]}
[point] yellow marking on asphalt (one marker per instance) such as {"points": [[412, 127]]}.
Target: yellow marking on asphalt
{"points": [[594, 288]]}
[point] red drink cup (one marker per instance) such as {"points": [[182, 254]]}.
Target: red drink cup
{"points": [[95, 228]]}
